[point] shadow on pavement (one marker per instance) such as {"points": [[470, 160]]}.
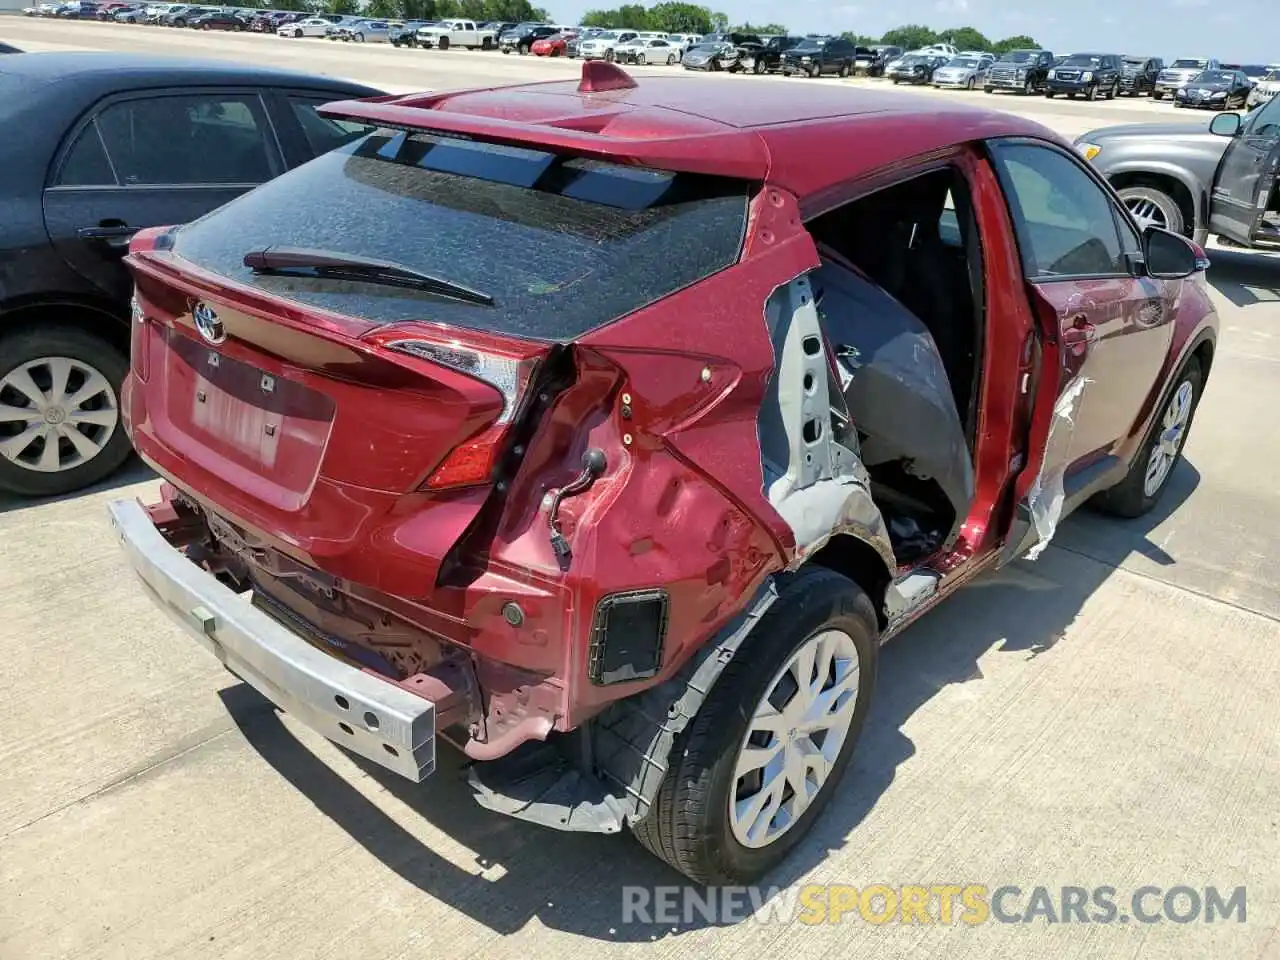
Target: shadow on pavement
{"points": [[134, 471], [1245, 278], [573, 882]]}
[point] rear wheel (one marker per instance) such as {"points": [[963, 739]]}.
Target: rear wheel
{"points": [[671, 59], [1149, 473], [971, 83], [757, 67], [843, 71], [754, 769], [641, 59], [444, 43], [60, 426]]}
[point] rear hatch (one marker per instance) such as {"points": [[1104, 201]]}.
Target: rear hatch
{"points": [[313, 397]]}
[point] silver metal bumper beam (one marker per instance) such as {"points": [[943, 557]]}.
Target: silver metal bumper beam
{"points": [[368, 716]]}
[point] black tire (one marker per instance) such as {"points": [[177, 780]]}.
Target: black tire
{"points": [[26, 345], [1049, 94], [610, 56], [1114, 91], [487, 44], [688, 825], [671, 59], [843, 71], [988, 90], [1155, 95], [815, 71], [506, 51], [1028, 88], [641, 59], [1129, 498], [971, 83], [443, 43], [757, 67], [1167, 205]]}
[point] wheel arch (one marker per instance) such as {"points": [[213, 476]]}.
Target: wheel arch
{"points": [[84, 313]]}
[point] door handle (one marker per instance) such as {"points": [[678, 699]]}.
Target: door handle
{"points": [[1080, 335], [113, 235]]}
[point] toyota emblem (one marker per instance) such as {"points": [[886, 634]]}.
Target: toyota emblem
{"points": [[208, 324]]}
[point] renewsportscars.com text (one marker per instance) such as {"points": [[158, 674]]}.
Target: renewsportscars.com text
{"points": [[941, 904]]}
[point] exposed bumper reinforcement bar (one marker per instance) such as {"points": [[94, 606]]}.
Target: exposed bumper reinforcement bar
{"points": [[368, 716]]}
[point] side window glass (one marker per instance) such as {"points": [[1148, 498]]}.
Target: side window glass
{"points": [[199, 139], [322, 133], [1066, 223], [86, 164]]}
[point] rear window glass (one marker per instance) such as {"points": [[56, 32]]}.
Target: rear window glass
{"points": [[562, 245]]}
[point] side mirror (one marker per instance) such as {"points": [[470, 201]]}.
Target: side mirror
{"points": [[1225, 124], [1171, 256]]}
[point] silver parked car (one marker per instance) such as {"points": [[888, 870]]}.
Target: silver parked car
{"points": [[964, 72]]}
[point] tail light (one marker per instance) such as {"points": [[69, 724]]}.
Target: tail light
{"points": [[472, 463]]}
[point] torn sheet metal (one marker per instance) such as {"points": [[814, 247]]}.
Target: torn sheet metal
{"points": [[812, 474], [1046, 496]]}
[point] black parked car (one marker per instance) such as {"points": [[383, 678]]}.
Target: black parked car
{"points": [[521, 37], [1215, 90], [84, 10], [1089, 74], [883, 55], [218, 20], [113, 143], [916, 68], [819, 56], [1138, 75], [767, 57], [406, 34], [1023, 71]]}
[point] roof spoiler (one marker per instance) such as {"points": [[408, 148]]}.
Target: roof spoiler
{"points": [[727, 152]]}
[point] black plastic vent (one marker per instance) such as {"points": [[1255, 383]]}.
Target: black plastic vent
{"points": [[627, 637]]}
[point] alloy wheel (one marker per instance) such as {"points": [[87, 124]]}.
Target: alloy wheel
{"points": [[56, 413], [1173, 432], [794, 738], [1147, 213]]}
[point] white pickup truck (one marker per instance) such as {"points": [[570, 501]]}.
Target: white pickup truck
{"points": [[457, 33]]}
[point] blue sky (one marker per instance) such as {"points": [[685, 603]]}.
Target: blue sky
{"points": [[1245, 31]]}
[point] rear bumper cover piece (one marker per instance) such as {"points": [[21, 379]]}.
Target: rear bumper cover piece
{"points": [[355, 709]]}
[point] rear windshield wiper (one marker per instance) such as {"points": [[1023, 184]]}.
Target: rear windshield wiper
{"points": [[327, 265]]}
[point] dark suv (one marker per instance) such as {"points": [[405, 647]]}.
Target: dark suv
{"points": [[1023, 71], [1086, 73], [1138, 75], [819, 56], [767, 57]]}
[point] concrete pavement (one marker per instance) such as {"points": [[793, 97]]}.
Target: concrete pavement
{"points": [[1106, 715]]}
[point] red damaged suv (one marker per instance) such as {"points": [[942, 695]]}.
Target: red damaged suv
{"points": [[605, 429]]}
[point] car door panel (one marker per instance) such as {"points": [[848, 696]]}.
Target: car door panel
{"points": [[91, 210], [1106, 328], [1246, 176]]}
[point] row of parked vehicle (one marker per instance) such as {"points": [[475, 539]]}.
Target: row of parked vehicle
{"points": [[199, 17]]}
